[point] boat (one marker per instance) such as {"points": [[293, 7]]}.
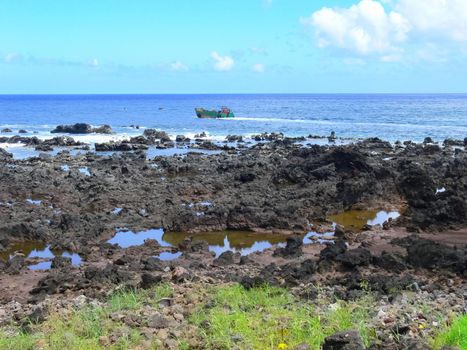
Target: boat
{"points": [[223, 113]]}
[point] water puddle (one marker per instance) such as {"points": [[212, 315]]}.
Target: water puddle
{"points": [[36, 249], [236, 241], [116, 211], [126, 239], [246, 242], [168, 256], [356, 219], [440, 190], [85, 171], [65, 168]]}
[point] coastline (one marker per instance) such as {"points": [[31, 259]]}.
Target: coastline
{"points": [[74, 201]]}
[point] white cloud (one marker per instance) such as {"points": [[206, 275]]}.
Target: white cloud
{"points": [[437, 18], [258, 68], [178, 66], [222, 63], [370, 28], [364, 28]]}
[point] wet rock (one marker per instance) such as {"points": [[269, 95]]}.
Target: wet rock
{"points": [[226, 258], [333, 250], [6, 130], [81, 128], [234, 138], [22, 131], [4, 155], [153, 134], [391, 262], [349, 340], [355, 257], [44, 148], [293, 248], [182, 138], [60, 261], [451, 142], [121, 146], [428, 140]]}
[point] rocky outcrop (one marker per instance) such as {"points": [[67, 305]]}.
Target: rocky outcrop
{"points": [[81, 128]]}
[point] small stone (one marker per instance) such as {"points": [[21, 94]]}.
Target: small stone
{"points": [[302, 346]]}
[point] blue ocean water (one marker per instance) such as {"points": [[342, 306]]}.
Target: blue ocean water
{"points": [[388, 116]]}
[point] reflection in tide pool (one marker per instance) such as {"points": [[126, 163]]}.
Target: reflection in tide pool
{"points": [[236, 241], [168, 256], [356, 219], [126, 239], [248, 242], [37, 249]]}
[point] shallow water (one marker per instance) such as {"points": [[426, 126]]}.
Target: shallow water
{"points": [[168, 256], [126, 239], [37, 249], [356, 219]]}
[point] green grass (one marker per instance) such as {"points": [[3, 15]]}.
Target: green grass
{"points": [[262, 318], [454, 335], [82, 329]]}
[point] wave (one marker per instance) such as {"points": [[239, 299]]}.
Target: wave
{"points": [[336, 122]]}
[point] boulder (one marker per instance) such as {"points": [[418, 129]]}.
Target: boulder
{"points": [[293, 248], [6, 130], [355, 257]]}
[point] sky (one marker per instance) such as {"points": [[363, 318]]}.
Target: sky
{"points": [[233, 46]]}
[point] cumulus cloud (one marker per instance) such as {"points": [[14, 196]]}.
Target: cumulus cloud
{"points": [[222, 63], [258, 68], [437, 18], [364, 28], [371, 28], [178, 66]]}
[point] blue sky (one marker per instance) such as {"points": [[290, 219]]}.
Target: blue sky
{"points": [[233, 46]]}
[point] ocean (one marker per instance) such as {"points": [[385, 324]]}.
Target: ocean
{"points": [[388, 116]]}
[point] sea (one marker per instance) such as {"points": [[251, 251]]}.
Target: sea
{"points": [[387, 116]]}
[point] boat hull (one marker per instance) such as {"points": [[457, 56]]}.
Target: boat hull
{"points": [[212, 114]]}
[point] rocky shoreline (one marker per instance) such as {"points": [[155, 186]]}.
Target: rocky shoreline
{"points": [[275, 185]]}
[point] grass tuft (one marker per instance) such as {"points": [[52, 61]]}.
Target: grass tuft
{"points": [[454, 335], [266, 317]]}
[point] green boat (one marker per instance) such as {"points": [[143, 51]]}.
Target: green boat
{"points": [[213, 114]]}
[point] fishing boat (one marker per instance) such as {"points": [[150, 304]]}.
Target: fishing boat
{"points": [[213, 114]]}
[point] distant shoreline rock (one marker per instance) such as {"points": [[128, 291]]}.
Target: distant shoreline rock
{"points": [[82, 128]]}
